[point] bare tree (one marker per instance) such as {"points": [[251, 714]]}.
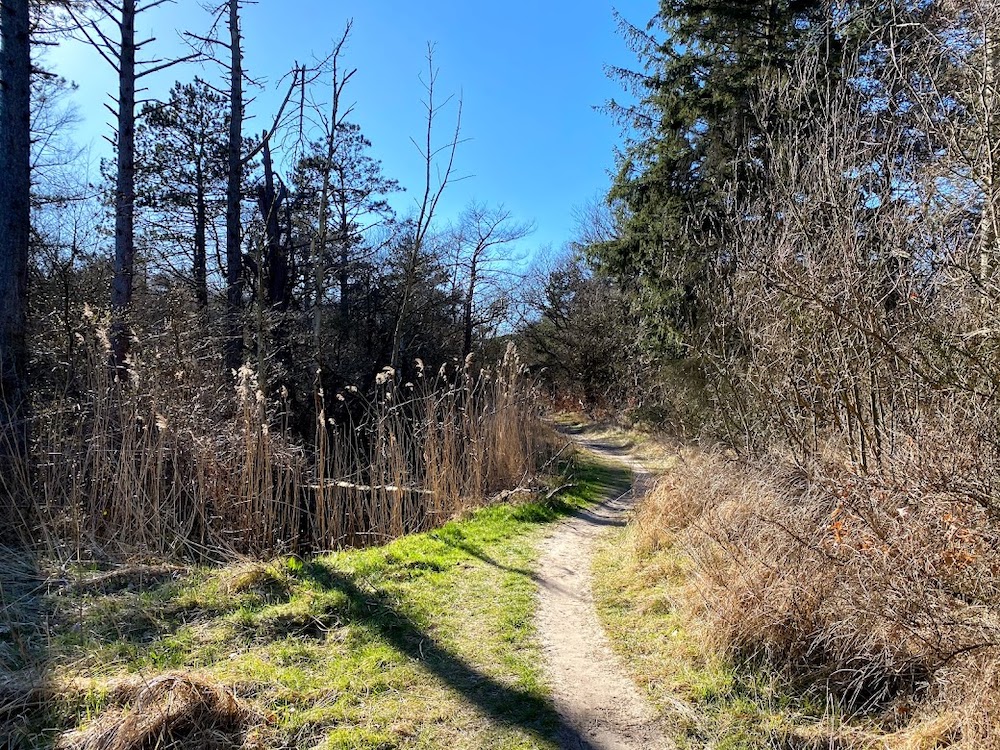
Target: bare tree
{"points": [[433, 190], [482, 242], [333, 126], [120, 49], [228, 13], [234, 185]]}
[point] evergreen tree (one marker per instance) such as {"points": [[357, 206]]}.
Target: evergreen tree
{"points": [[15, 154], [698, 131], [181, 148], [355, 195]]}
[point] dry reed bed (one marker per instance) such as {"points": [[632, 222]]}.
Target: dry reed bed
{"points": [[883, 590], [170, 465]]}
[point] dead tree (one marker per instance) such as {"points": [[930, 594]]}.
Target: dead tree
{"points": [[119, 48], [236, 161], [234, 184], [338, 116], [431, 196]]}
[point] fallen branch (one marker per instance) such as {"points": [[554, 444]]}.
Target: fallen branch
{"points": [[507, 494], [369, 487], [552, 493]]}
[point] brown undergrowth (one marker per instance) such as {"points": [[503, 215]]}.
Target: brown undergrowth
{"points": [[879, 593], [171, 465], [178, 710]]}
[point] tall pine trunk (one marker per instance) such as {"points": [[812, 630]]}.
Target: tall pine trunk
{"points": [[319, 250], [124, 262], [200, 266], [15, 179], [234, 253]]}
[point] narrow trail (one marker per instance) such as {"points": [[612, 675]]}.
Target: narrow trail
{"points": [[601, 707]]}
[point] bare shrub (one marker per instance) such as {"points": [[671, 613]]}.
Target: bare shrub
{"points": [[853, 352], [884, 591]]}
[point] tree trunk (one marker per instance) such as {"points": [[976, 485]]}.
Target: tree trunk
{"points": [[274, 270], [319, 251], [989, 168], [344, 272], [234, 256], [467, 326], [15, 219], [275, 267], [199, 269], [124, 262], [404, 311]]}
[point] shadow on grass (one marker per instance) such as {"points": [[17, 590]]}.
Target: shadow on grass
{"points": [[473, 550], [608, 483], [504, 704], [27, 699], [384, 615]]}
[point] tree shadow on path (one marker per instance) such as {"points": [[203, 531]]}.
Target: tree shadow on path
{"points": [[507, 705]]}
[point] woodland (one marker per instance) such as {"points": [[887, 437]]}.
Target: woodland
{"points": [[212, 363]]}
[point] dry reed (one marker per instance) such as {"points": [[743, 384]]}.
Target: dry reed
{"points": [[167, 711], [170, 466]]}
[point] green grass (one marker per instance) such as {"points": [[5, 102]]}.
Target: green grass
{"points": [[427, 642]]}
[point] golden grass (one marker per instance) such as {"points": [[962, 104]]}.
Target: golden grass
{"points": [[175, 710], [868, 605], [168, 466]]}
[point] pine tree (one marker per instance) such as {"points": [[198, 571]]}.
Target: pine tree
{"points": [[353, 187], [181, 156], [15, 178], [697, 132]]}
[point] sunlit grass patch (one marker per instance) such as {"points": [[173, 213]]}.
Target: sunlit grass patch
{"points": [[657, 452]]}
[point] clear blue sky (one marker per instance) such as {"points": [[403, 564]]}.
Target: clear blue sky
{"points": [[530, 74]]}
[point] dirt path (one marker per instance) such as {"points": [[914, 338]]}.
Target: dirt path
{"points": [[602, 709]]}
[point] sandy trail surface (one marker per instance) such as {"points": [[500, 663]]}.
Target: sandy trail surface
{"points": [[601, 708]]}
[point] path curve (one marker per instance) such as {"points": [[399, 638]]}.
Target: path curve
{"points": [[601, 708]]}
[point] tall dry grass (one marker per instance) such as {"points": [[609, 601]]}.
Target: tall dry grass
{"points": [[423, 451], [171, 464], [881, 591]]}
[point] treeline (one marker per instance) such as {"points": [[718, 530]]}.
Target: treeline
{"points": [[803, 224], [232, 342], [799, 258]]}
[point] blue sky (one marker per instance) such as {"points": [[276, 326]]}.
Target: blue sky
{"points": [[529, 73]]}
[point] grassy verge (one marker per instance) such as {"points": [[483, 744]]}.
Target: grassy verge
{"points": [[768, 606], [709, 700], [426, 642]]}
